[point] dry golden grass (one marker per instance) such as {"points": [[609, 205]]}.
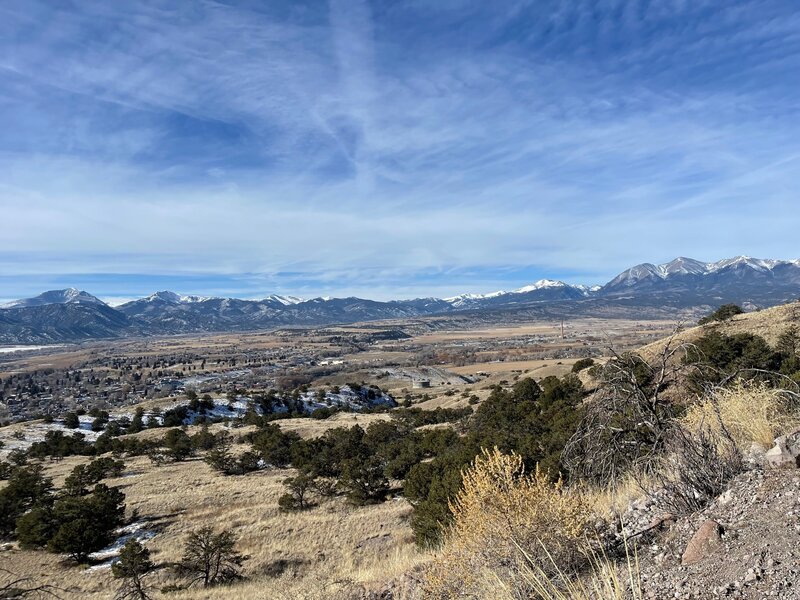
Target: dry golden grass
{"points": [[530, 368], [751, 413], [331, 542], [615, 499], [504, 520], [769, 324], [581, 328], [605, 579], [522, 536], [309, 428]]}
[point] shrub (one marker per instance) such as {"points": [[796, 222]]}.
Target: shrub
{"points": [[789, 347], [203, 439], [55, 443], [583, 363], [101, 468], [211, 559], [178, 444], [82, 476], [534, 421], [220, 458], [77, 482], [36, 527], [84, 524], [723, 313], [137, 423], [299, 489], [18, 457], [502, 520], [26, 488], [718, 358], [273, 445], [173, 417], [100, 422], [696, 469], [363, 480], [629, 417]]}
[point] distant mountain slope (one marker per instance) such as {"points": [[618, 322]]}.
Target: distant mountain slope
{"points": [[67, 296], [688, 282], [52, 323], [158, 313], [544, 290], [646, 289]]}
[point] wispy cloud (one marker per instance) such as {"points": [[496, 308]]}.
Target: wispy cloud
{"points": [[390, 149]]}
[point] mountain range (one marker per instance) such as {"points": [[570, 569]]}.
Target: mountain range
{"points": [[73, 315]]}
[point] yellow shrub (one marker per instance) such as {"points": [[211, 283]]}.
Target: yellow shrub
{"points": [[507, 522], [750, 412]]}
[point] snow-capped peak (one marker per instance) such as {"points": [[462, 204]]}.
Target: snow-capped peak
{"points": [[285, 300], [65, 296], [173, 298], [462, 297], [688, 266], [166, 296], [540, 285], [754, 263], [684, 266], [588, 289]]}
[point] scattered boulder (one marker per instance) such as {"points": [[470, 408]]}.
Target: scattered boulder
{"points": [[705, 542], [786, 451]]}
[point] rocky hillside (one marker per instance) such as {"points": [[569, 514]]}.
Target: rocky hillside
{"points": [[745, 544]]}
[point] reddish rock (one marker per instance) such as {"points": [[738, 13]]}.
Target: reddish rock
{"points": [[705, 542], [662, 522]]}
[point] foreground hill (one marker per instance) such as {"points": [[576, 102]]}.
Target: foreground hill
{"points": [[769, 323]]}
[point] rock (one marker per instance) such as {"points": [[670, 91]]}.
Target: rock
{"points": [[726, 498], [756, 455], [785, 452], [662, 522], [705, 542]]}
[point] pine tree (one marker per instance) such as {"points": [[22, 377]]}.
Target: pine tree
{"points": [[210, 558], [133, 565]]}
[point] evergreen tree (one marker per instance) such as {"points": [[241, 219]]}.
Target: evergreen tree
{"points": [[137, 423], [299, 489], [71, 421], [26, 488], [211, 559], [133, 565]]}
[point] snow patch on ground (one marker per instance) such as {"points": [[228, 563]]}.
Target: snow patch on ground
{"points": [[137, 531], [10, 349], [346, 398]]}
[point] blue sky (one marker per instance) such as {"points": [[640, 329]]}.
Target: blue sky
{"points": [[390, 149]]}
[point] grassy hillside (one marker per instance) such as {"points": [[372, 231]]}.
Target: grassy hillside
{"points": [[769, 323]]}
